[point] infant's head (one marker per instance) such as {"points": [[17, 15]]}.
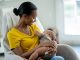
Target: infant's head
{"points": [[51, 33]]}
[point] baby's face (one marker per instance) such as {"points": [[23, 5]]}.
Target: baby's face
{"points": [[51, 34]]}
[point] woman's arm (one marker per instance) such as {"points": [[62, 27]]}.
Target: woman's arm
{"points": [[19, 51]]}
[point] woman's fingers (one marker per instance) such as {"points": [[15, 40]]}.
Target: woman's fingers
{"points": [[54, 44], [52, 50]]}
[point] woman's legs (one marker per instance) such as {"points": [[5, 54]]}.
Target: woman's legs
{"points": [[57, 58]]}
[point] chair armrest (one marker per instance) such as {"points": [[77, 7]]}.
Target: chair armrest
{"points": [[67, 52], [10, 56]]}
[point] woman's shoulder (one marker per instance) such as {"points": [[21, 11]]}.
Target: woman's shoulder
{"points": [[33, 25], [12, 31]]}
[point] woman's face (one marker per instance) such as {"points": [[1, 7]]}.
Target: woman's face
{"points": [[31, 18]]}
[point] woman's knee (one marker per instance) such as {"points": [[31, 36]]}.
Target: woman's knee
{"points": [[57, 58]]}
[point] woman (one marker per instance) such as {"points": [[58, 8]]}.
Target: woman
{"points": [[22, 39]]}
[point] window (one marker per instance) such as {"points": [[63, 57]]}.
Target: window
{"points": [[71, 17]]}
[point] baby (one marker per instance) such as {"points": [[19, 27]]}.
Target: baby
{"points": [[47, 37]]}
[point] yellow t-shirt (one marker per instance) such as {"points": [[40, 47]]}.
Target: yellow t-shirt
{"points": [[26, 42]]}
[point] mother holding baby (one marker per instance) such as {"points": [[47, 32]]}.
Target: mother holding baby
{"points": [[22, 38]]}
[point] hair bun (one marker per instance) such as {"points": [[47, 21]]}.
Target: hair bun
{"points": [[15, 10]]}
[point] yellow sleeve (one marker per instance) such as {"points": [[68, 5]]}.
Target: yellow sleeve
{"points": [[14, 40], [36, 28]]}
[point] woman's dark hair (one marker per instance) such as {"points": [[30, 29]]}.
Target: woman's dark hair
{"points": [[24, 8]]}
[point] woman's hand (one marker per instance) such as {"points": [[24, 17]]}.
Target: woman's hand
{"points": [[55, 44], [51, 50], [38, 33]]}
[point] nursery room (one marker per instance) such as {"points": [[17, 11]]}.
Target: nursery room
{"points": [[39, 29]]}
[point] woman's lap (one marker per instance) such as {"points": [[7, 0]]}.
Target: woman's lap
{"points": [[57, 58]]}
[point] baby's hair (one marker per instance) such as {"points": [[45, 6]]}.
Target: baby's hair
{"points": [[54, 30], [51, 29]]}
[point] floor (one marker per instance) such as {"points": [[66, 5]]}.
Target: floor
{"points": [[1, 56]]}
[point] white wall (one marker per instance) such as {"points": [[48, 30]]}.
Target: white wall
{"points": [[46, 10], [60, 18]]}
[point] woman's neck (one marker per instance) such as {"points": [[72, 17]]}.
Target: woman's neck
{"points": [[22, 24], [24, 28]]}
